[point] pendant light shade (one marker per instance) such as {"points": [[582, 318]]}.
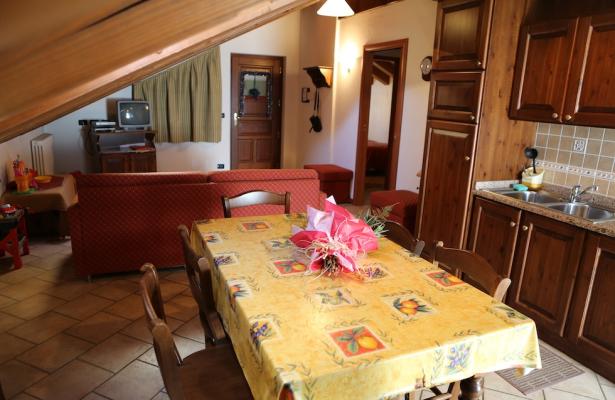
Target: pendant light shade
{"points": [[335, 8]]}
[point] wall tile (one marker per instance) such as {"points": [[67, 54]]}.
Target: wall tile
{"points": [[576, 159], [609, 134], [563, 157], [581, 131], [555, 129], [542, 128], [590, 161], [605, 164], [566, 143], [593, 146], [568, 130], [553, 142], [541, 140], [608, 149], [596, 133]]}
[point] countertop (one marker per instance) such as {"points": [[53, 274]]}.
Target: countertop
{"points": [[605, 228]]}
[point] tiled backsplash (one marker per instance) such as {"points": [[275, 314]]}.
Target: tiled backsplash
{"points": [[580, 155]]}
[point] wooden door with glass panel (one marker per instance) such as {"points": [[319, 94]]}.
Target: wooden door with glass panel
{"points": [[256, 107]]}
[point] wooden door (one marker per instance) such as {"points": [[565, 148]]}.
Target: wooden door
{"points": [[455, 96], [544, 269], [592, 316], [493, 233], [462, 32], [541, 72], [256, 107], [590, 99], [445, 182]]}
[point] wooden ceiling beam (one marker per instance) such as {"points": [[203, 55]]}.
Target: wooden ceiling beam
{"points": [[380, 75], [124, 48]]}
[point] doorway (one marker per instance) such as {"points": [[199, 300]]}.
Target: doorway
{"points": [[380, 114], [256, 108]]}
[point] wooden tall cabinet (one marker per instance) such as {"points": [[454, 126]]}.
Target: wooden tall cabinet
{"points": [[564, 72], [592, 322], [545, 266], [469, 136]]}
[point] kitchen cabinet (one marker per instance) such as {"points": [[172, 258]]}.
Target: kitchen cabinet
{"points": [[447, 166], [493, 233], [462, 32], [564, 72], [592, 322], [455, 96]]}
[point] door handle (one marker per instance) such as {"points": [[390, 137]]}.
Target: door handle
{"points": [[236, 118], [524, 228]]}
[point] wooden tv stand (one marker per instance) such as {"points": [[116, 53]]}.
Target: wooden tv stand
{"points": [[126, 159]]}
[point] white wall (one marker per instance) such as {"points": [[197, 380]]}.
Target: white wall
{"points": [[412, 19], [19, 146], [380, 111]]}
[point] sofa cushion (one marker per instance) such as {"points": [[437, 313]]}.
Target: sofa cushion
{"points": [[239, 175], [331, 172]]}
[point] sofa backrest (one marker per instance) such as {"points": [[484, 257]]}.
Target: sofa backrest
{"points": [[302, 183]]}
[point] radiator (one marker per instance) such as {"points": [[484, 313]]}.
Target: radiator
{"points": [[42, 154]]}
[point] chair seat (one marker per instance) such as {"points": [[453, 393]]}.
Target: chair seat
{"points": [[214, 373]]}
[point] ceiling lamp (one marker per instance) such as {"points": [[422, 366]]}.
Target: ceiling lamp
{"points": [[335, 8]]}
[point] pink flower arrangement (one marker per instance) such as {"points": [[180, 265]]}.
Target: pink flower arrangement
{"points": [[333, 239]]}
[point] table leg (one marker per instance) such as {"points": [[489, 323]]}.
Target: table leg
{"points": [[14, 248], [472, 388]]}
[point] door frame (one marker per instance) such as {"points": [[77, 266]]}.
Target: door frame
{"points": [[396, 116], [277, 109]]}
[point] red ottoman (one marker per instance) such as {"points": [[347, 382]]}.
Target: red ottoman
{"points": [[404, 209], [334, 180]]}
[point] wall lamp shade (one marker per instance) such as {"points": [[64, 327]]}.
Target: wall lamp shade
{"points": [[321, 76], [335, 8]]}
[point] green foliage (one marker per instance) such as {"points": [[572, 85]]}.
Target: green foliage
{"points": [[376, 217]]}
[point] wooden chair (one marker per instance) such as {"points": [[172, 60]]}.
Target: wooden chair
{"points": [[479, 273], [2, 393], [255, 197], [198, 270], [401, 235], [212, 373]]}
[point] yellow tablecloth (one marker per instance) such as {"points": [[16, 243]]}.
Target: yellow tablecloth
{"points": [[412, 325]]}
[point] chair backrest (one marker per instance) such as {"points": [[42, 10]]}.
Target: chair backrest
{"points": [[198, 270], [1, 392], [255, 197], [150, 294], [475, 267], [401, 235], [168, 359]]}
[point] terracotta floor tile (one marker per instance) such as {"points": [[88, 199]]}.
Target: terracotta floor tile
{"points": [[130, 307], [61, 274], [170, 289], [25, 289], [8, 322], [139, 329], [192, 330], [98, 327], [116, 352], [94, 396], [33, 306], [137, 381], [179, 276], [6, 301], [16, 376], [3, 285], [116, 290], [44, 327], [161, 396], [55, 352], [73, 381], [181, 307], [19, 275], [12, 346], [43, 249], [53, 261], [71, 290], [24, 396], [84, 306], [184, 346]]}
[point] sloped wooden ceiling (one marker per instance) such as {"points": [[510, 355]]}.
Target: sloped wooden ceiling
{"points": [[57, 56]]}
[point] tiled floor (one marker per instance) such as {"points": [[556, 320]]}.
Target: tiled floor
{"points": [[64, 338]]}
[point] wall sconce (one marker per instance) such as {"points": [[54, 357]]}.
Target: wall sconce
{"points": [[335, 8], [321, 76], [348, 57]]}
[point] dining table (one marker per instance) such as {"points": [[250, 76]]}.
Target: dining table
{"points": [[402, 326]]}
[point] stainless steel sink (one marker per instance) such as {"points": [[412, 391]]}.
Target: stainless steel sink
{"points": [[584, 211], [533, 197]]}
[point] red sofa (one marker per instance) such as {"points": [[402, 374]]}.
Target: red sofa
{"points": [[124, 220]]}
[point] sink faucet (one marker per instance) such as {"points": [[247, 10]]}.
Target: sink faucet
{"points": [[576, 192]]}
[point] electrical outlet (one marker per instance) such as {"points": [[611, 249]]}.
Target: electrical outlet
{"points": [[220, 166], [579, 145]]}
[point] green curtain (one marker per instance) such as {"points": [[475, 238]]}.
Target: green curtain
{"points": [[186, 100]]}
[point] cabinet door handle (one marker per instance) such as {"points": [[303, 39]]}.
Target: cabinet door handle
{"points": [[555, 115], [472, 117], [478, 63], [524, 228], [467, 158], [513, 224], [567, 117]]}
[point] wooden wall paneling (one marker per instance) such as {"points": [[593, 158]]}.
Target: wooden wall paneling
{"points": [[500, 144], [120, 50]]}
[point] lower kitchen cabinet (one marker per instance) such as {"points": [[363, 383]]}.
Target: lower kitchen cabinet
{"points": [[563, 277], [545, 266], [592, 322]]}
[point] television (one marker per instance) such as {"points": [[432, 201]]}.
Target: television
{"points": [[133, 115]]}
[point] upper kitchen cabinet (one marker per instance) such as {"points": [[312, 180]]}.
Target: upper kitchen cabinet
{"points": [[565, 72], [462, 32], [590, 99], [543, 63]]}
